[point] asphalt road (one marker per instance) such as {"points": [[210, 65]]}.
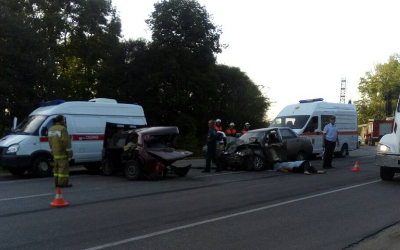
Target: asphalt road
{"points": [[227, 210]]}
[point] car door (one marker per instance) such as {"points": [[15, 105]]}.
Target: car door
{"points": [[293, 142]]}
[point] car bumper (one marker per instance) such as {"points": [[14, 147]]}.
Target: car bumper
{"points": [[15, 161], [232, 160], [385, 160]]}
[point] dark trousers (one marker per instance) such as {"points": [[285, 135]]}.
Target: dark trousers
{"points": [[329, 149], [212, 156]]}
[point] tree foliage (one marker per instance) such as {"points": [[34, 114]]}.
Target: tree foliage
{"points": [[374, 86], [71, 50]]}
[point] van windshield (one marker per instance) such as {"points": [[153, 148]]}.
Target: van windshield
{"points": [[30, 125], [294, 122]]}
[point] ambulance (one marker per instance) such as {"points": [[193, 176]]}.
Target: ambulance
{"points": [[309, 117], [27, 147]]}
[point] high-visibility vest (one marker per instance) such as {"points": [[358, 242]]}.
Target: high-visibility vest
{"points": [[60, 142], [231, 132], [244, 131], [218, 128]]}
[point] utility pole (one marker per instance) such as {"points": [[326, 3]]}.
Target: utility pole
{"points": [[343, 91]]}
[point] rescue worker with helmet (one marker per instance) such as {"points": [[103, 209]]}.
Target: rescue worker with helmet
{"points": [[246, 128], [218, 125], [61, 149], [231, 131]]}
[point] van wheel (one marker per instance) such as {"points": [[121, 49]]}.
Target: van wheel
{"points": [[132, 170], [17, 171], [387, 173], [107, 167], [41, 167]]}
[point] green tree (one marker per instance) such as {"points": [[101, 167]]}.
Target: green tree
{"points": [[183, 50], [240, 99], [26, 65], [374, 86]]}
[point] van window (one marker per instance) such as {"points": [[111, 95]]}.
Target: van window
{"points": [[325, 119], [47, 125], [312, 125], [30, 125], [88, 124], [294, 122]]}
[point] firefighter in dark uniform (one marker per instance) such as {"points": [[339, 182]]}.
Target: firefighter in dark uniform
{"points": [[212, 140], [60, 145]]}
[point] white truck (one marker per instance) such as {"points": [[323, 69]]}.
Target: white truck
{"points": [[27, 147], [309, 117], [388, 151]]}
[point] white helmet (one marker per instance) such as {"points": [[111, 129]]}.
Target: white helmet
{"points": [[247, 124], [232, 124], [218, 120]]}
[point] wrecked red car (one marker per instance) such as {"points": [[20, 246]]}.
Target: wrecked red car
{"points": [[146, 152]]}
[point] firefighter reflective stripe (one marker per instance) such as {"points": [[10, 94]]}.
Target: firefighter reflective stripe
{"points": [[61, 175], [54, 133], [69, 149], [57, 157]]}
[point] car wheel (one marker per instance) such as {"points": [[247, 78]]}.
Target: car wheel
{"points": [[41, 167], [256, 163], [17, 171], [301, 156], [132, 170], [387, 173], [107, 167]]}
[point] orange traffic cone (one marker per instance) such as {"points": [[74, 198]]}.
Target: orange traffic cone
{"points": [[59, 200], [356, 167]]}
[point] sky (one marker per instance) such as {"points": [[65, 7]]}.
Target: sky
{"points": [[294, 49]]}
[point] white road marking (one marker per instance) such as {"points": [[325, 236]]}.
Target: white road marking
{"points": [[40, 195], [223, 217], [24, 197]]}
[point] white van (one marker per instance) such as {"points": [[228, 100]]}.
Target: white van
{"points": [[309, 117], [27, 147]]}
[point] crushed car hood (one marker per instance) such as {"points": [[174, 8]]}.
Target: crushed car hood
{"points": [[169, 154], [237, 143]]}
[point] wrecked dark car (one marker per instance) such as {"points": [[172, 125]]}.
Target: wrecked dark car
{"points": [[259, 149], [146, 152]]}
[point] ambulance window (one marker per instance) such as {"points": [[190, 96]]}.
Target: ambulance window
{"points": [[325, 119], [30, 125], [46, 126], [312, 125]]}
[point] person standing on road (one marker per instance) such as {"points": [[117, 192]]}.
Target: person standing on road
{"points": [[330, 138], [60, 145], [212, 140]]}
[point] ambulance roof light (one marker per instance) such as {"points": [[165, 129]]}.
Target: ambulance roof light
{"points": [[51, 103], [312, 100], [103, 100]]}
